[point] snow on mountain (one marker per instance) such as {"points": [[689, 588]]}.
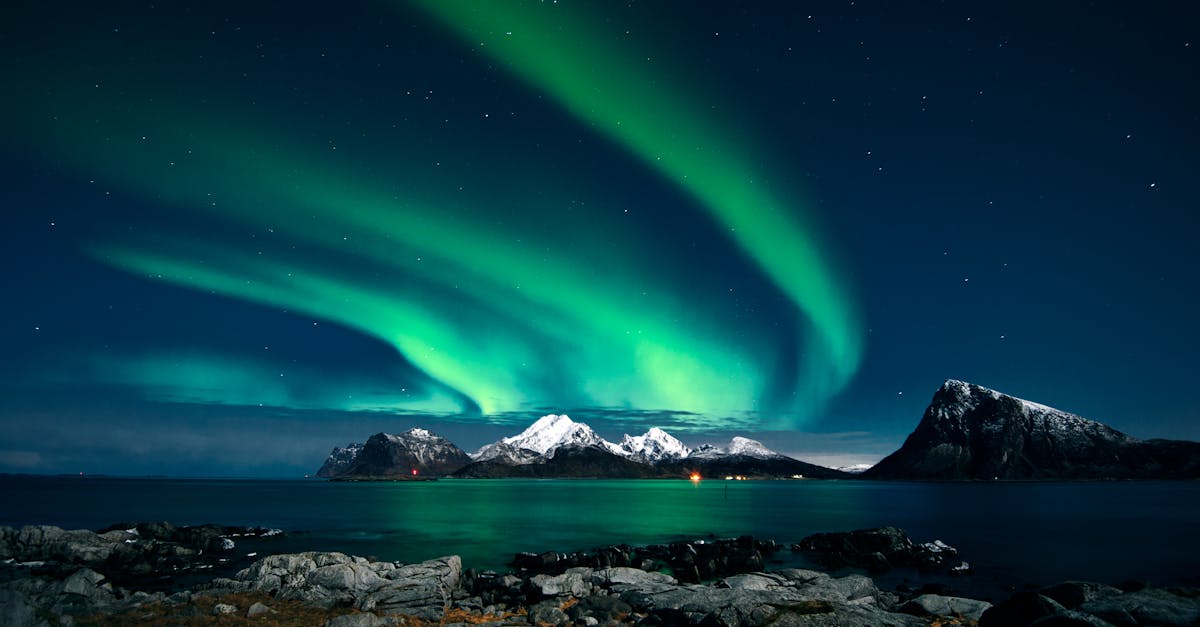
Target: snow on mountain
{"points": [[750, 448], [505, 453], [652, 447], [707, 451], [656, 446], [854, 469], [737, 446], [386, 454], [339, 459], [548, 433], [970, 432], [957, 398]]}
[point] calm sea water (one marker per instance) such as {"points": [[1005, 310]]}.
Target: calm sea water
{"points": [[1012, 532]]}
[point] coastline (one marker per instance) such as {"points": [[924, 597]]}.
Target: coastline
{"points": [[156, 573]]}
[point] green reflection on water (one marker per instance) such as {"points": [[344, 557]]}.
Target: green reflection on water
{"points": [[485, 521]]}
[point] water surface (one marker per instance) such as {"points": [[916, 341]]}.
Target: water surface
{"points": [[1012, 532]]}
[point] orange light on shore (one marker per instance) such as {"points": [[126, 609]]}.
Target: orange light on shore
{"points": [[695, 477]]}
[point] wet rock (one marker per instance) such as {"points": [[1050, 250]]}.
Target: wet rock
{"points": [[937, 605], [1071, 618], [620, 578], [791, 597], [548, 613], [326, 580], [602, 608], [876, 550], [1150, 606], [1072, 594], [17, 610], [365, 619], [258, 609], [575, 582], [1022, 608]]}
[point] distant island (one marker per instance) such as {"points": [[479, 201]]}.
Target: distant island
{"points": [[968, 433], [556, 446]]}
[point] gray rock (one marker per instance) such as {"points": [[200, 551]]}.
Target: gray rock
{"points": [[1072, 594], [1151, 606], [222, 609], [1070, 618], [629, 576], [258, 609], [575, 582], [758, 581], [327, 580], [1021, 608], [352, 577], [422, 590], [16, 610], [843, 615], [365, 619], [937, 605], [548, 613], [600, 608]]}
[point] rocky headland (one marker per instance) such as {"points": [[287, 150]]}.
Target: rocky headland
{"points": [[52, 576], [970, 432]]}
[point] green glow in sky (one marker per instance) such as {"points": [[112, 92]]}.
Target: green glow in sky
{"points": [[505, 300], [628, 98]]}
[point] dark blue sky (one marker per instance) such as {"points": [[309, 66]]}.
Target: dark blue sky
{"points": [[235, 236]]}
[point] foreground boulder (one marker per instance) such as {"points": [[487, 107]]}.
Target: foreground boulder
{"points": [[146, 555], [328, 580], [692, 562], [876, 550], [339, 590]]}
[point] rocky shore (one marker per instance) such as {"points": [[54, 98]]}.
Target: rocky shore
{"points": [[131, 575]]}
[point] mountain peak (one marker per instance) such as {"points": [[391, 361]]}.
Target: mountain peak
{"points": [[553, 431], [750, 448], [972, 432], [414, 452], [652, 447]]}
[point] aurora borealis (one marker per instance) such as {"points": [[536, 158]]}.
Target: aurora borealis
{"points": [[789, 221]]}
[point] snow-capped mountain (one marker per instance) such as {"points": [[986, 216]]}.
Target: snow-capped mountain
{"points": [[750, 448], [652, 447], [388, 455], [972, 432], [854, 469], [544, 436], [556, 446], [737, 446], [339, 459], [505, 453]]}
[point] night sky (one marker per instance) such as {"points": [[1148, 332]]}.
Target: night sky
{"points": [[238, 234]]}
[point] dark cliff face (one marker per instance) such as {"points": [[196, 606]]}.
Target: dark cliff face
{"points": [[386, 455], [339, 460], [969, 432]]}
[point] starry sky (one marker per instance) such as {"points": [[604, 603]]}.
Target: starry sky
{"points": [[238, 234]]}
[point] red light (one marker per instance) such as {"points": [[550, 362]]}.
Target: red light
{"points": [[414, 472]]}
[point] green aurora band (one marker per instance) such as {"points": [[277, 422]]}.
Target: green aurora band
{"points": [[603, 85], [497, 323]]}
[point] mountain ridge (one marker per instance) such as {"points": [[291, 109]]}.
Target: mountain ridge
{"points": [[556, 446], [970, 432]]}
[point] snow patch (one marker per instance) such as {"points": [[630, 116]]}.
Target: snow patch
{"points": [[554, 431]]}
